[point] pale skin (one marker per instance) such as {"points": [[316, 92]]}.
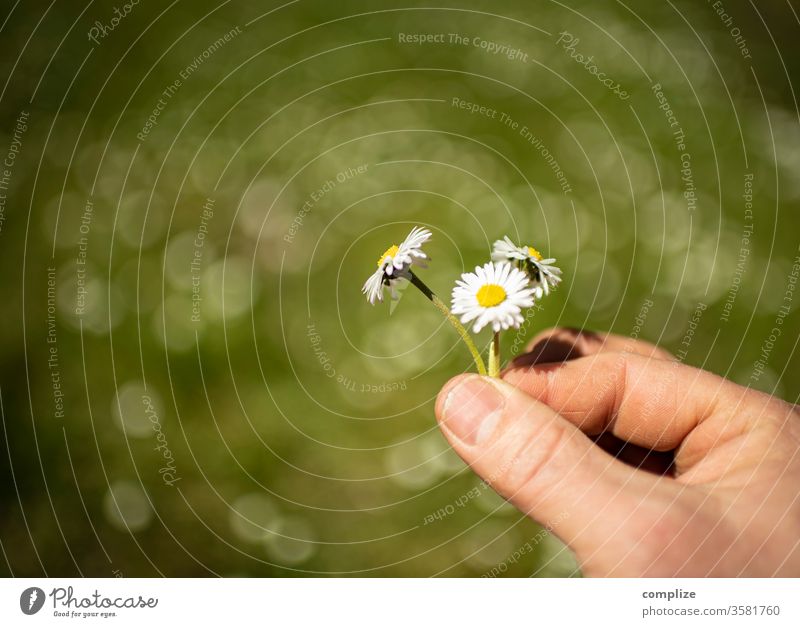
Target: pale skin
{"points": [[705, 480]]}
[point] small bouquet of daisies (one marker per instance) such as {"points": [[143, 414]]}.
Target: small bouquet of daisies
{"points": [[493, 295]]}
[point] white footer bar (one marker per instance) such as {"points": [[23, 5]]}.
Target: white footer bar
{"points": [[389, 602]]}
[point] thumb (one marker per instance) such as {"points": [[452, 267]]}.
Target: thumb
{"points": [[552, 472]]}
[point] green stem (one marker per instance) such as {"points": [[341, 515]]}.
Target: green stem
{"points": [[494, 357], [476, 355]]}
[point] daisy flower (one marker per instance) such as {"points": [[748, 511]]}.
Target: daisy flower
{"points": [[395, 263], [492, 295], [543, 274]]}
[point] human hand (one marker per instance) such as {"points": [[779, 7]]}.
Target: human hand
{"points": [[725, 503]]}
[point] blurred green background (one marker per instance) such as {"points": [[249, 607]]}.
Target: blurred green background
{"points": [[280, 425]]}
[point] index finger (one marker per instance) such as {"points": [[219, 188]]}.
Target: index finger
{"points": [[565, 343], [649, 402]]}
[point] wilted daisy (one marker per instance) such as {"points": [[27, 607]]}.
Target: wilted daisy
{"points": [[542, 273], [492, 295], [394, 264]]}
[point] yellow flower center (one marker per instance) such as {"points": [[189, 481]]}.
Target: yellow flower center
{"points": [[534, 253], [390, 252], [490, 295]]}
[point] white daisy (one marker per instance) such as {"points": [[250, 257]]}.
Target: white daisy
{"points": [[542, 272], [494, 294], [394, 264]]}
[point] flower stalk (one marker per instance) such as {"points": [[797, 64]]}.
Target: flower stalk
{"points": [[494, 356], [462, 332]]}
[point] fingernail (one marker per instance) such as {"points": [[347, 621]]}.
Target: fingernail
{"points": [[472, 409]]}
